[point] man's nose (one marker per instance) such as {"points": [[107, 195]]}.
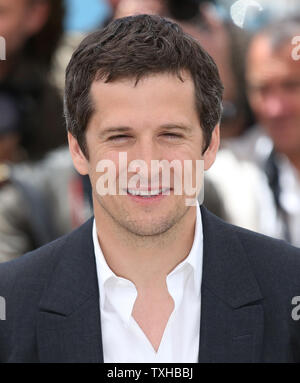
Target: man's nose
{"points": [[146, 151]]}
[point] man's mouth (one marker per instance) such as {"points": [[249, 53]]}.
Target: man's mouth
{"points": [[148, 193]]}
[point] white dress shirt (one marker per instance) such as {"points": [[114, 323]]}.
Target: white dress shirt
{"points": [[123, 340]]}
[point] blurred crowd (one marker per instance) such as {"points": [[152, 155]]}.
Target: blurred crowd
{"points": [[255, 182]]}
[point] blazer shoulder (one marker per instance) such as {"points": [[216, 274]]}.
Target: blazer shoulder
{"points": [[276, 263], [272, 259], [30, 265], [260, 245], [253, 241]]}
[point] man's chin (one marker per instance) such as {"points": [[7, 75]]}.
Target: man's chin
{"points": [[143, 219], [155, 224], [140, 229]]}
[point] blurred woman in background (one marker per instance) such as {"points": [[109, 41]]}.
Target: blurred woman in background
{"points": [[32, 30]]}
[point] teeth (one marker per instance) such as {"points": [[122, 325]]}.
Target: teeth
{"points": [[155, 192], [148, 193]]}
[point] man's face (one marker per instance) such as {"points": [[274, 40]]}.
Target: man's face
{"points": [[153, 120], [274, 92]]}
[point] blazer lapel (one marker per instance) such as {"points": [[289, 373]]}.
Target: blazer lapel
{"points": [[69, 328], [231, 311]]}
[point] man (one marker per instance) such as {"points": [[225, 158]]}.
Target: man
{"points": [[273, 78], [151, 279]]}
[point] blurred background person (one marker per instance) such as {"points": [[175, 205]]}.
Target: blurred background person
{"points": [[32, 125], [273, 143], [32, 30], [39, 202], [273, 77], [257, 174]]}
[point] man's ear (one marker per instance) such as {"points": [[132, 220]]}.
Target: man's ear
{"points": [[211, 152], [79, 160], [36, 17]]}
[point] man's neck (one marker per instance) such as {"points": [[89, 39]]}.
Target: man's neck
{"points": [[146, 261]]}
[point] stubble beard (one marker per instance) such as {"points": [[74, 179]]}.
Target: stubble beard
{"points": [[142, 233]]}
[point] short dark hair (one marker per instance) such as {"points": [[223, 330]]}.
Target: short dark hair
{"points": [[133, 47]]}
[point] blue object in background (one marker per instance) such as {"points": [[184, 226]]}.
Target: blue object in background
{"points": [[85, 15]]}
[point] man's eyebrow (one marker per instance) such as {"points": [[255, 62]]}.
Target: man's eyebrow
{"points": [[127, 129], [174, 126], [115, 129]]}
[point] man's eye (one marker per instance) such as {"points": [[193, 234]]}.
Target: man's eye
{"points": [[119, 137], [172, 135]]}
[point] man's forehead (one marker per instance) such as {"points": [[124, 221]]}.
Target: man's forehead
{"points": [[160, 98], [153, 84]]}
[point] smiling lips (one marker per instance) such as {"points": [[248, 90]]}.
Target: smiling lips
{"points": [[148, 193]]}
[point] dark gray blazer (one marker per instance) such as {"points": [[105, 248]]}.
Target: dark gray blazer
{"points": [[249, 280]]}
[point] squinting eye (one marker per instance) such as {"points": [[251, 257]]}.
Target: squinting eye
{"points": [[118, 137], [172, 135]]}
